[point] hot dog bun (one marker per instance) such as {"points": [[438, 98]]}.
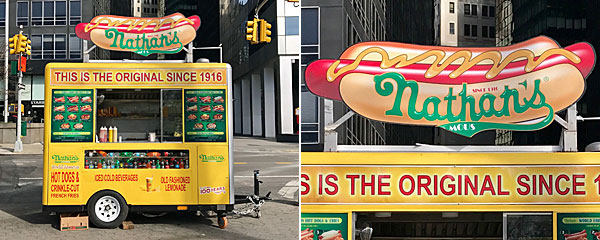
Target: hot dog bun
{"points": [[183, 33], [354, 90]]}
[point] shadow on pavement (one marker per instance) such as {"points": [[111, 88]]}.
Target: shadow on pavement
{"points": [[283, 201], [25, 203]]}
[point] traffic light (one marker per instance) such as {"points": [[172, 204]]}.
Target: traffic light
{"points": [[14, 44], [265, 31], [252, 31], [24, 45]]}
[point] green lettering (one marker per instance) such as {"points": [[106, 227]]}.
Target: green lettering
{"points": [[114, 33]]}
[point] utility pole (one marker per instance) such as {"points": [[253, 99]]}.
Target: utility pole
{"points": [[19, 143], [6, 18]]}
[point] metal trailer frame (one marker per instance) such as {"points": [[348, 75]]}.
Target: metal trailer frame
{"points": [[567, 142]]}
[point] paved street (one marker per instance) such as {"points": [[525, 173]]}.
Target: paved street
{"points": [[21, 189]]}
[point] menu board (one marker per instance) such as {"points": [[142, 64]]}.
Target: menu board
{"points": [[315, 226], [578, 226], [205, 115], [72, 115]]}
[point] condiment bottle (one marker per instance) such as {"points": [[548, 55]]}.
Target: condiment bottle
{"points": [[103, 134], [110, 134], [115, 136]]}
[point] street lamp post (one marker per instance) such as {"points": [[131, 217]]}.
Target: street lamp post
{"points": [[6, 18]]}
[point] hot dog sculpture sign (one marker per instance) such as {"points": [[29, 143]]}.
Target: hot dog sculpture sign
{"points": [[463, 90], [143, 36]]}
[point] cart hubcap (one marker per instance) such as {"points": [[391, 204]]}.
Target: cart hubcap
{"points": [[107, 209]]}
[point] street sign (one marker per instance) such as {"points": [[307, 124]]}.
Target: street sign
{"points": [[23, 65], [143, 36], [463, 90]]}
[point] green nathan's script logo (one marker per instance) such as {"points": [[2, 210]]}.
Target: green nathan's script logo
{"points": [[65, 158], [211, 158], [144, 45], [472, 117]]}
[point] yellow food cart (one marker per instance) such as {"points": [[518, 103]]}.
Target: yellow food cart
{"points": [[123, 137]]}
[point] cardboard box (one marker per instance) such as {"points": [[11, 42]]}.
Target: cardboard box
{"points": [[73, 221], [127, 225]]}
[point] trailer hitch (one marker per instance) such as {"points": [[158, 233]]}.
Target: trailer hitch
{"points": [[252, 202]]}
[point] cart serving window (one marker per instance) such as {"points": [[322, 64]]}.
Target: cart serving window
{"points": [[137, 136]]}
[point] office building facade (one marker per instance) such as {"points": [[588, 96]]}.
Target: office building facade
{"points": [[265, 84], [469, 23], [328, 28], [566, 23], [50, 24]]}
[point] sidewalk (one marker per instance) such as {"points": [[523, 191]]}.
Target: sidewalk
{"points": [[250, 144], [32, 148]]}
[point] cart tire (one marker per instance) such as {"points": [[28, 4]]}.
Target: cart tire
{"points": [[107, 209], [222, 221]]}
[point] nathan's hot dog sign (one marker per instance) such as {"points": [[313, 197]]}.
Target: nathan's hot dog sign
{"points": [[143, 36], [463, 90]]}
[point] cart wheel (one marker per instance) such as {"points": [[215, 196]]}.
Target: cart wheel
{"points": [[222, 221], [107, 209]]}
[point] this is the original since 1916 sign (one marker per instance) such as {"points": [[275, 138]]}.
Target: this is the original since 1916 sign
{"points": [[463, 90]]}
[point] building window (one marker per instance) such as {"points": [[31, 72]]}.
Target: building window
{"points": [[60, 46], [61, 13], [2, 14], [74, 47], [48, 13], [492, 33], [452, 28], [484, 10], [474, 9], [23, 13], [467, 9], [138, 9], [36, 46], [310, 52], [292, 25], [474, 30], [467, 30], [54, 46], [74, 12], [484, 31], [492, 11], [451, 7], [36, 13], [48, 46]]}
